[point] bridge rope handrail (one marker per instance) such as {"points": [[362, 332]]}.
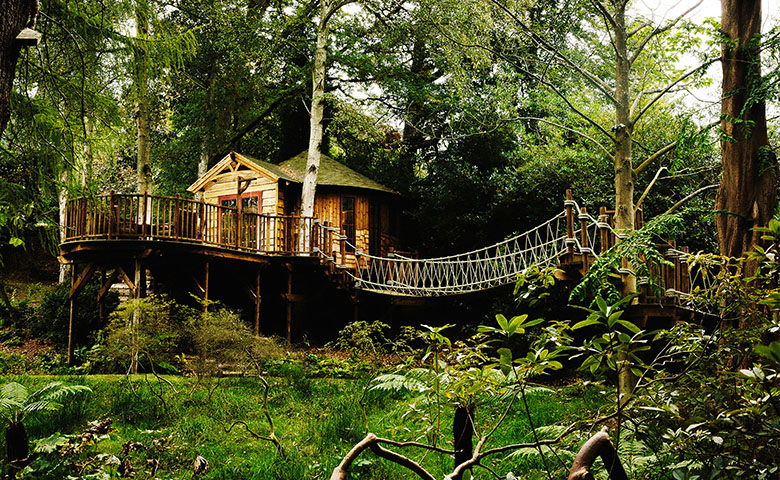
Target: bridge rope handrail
{"points": [[480, 269]]}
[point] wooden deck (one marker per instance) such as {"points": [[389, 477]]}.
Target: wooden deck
{"points": [[174, 219]]}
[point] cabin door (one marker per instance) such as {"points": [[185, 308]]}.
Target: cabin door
{"points": [[374, 229]]}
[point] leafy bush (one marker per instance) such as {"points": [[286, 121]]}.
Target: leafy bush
{"points": [[49, 321], [373, 338], [167, 337]]}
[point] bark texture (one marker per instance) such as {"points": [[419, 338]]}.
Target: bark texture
{"points": [[747, 194], [15, 15], [463, 435], [143, 109], [598, 445], [317, 112]]}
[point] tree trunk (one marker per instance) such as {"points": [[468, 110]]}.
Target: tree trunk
{"points": [[747, 194], [463, 433], [624, 171], [598, 445], [317, 113], [143, 119], [62, 199], [17, 447], [16, 14]]}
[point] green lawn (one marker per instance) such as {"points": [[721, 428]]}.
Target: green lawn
{"points": [[318, 421]]}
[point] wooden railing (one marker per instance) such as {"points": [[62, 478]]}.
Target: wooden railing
{"points": [[153, 217]]}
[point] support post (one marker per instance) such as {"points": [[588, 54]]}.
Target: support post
{"points": [[206, 288], [569, 222], [604, 218], [72, 301], [134, 321], [100, 297], [257, 304], [288, 304], [584, 239]]}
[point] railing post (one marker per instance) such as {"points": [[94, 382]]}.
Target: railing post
{"points": [[584, 239], [176, 218], [83, 219], [604, 219], [145, 223], [569, 221], [202, 225], [238, 221], [111, 214]]}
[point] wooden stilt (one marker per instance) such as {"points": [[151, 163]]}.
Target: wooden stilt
{"points": [[257, 304], [72, 301], [206, 288], [100, 297], [135, 320], [289, 305], [77, 283]]}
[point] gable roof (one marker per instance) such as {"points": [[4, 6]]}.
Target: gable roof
{"points": [[331, 172], [235, 160]]}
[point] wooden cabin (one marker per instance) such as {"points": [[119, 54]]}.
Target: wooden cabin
{"points": [[364, 211]]}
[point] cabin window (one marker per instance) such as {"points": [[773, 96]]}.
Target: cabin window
{"points": [[250, 202], [348, 220]]}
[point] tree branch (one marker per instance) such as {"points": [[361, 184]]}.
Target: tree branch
{"points": [[671, 85], [372, 441], [647, 190], [599, 445], [692, 195], [659, 30], [649, 160], [590, 77], [573, 130]]}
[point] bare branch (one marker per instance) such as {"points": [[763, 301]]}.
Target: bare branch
{"points": [[671, 85], [649, 187], [590, 77], [372, 441], [402, 460], [573, 130], [599, 445], [659, 30], [652, 158], [689, 197]]}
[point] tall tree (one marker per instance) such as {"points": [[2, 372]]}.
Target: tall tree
{"points": [[748, 190], [319, 71], [16, 15], [141, 87]]}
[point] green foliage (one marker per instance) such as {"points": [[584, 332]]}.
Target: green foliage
{"points": [[17, 402], [170, 337], [639, 248], [364, 338]]}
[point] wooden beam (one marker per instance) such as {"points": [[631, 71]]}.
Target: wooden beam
{"points": [[126, 279], [106, 285], [72, 314], [79, 283], [257, 304], [289, 305], [206, 287]]}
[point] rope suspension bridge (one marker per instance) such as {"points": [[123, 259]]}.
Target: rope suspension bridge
{"points": [[572, 235], [485, 268]]}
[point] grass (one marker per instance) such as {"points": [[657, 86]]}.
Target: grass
{"points": [[318, 421]]}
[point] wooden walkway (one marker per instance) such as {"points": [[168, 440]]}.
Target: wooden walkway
{"points": [[126, 234]]}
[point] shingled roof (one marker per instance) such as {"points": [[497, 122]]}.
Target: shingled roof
{"points": [[332, 173]]}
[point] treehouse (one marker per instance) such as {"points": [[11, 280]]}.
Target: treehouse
{"points": [[365, 212]]}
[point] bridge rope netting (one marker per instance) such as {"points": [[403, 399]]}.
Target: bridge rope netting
{"points": [[481, 269]]}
